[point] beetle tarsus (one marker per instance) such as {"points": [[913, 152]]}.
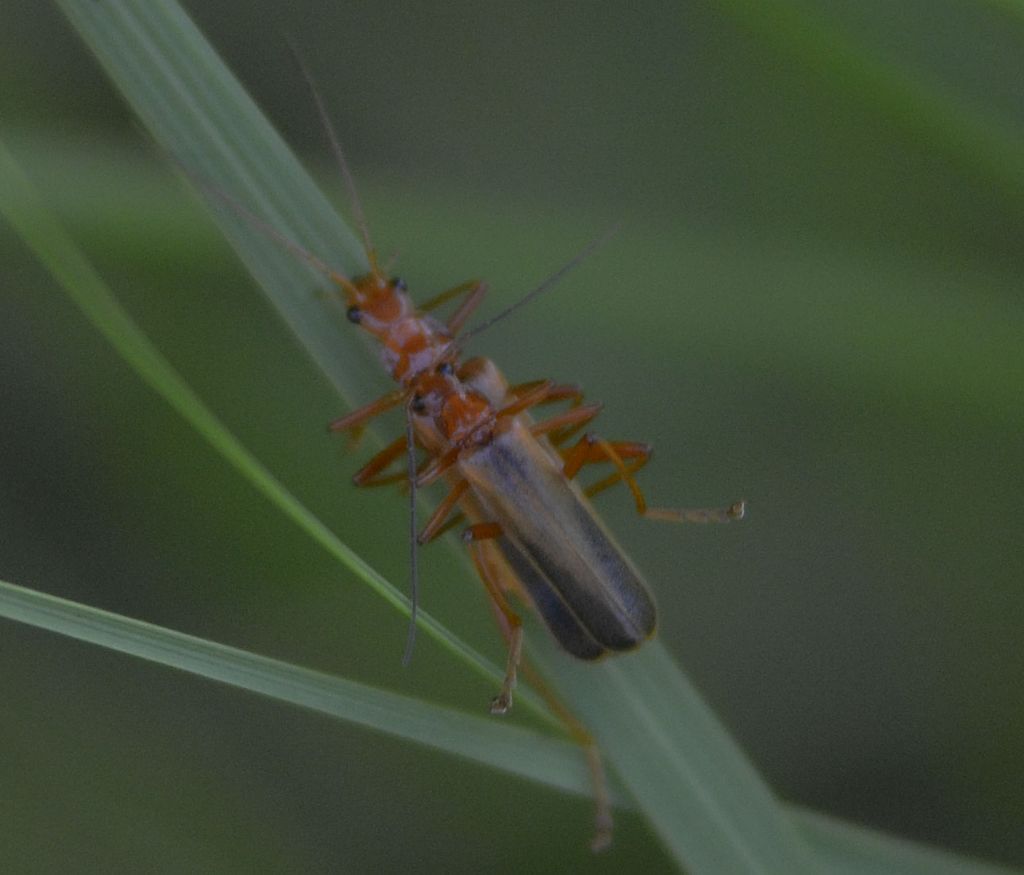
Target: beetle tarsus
{"points": [[502, 703], [603, 829]]}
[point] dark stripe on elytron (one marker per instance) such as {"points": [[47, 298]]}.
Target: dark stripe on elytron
{"points": [[556, 615], [584, 588]]}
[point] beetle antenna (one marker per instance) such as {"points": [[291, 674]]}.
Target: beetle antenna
{"points": [[240, 209], [546, 285], [339, 154], [410, 439]]}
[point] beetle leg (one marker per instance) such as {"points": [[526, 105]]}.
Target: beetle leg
{"points": [[453, 523], [510, 622], [492, 568], [370, 474], [436, 525], [553, 394], [639, 455], [539, 392], [465, 309], [588, 451], [562, 427], [438, 466], [592, 449], [603, 822], [355, 421], [558, 428], [474, 290]]}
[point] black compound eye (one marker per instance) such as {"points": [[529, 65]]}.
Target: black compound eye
{"points": [[398, 284], [446, 369], [354, 315], [417, 404]]}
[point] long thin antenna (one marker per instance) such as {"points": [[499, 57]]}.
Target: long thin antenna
{"points": [[545, 286], [414, 583], [262, 225], [339, 155]]}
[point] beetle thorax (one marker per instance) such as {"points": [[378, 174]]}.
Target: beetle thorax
{"points": [[412, 346], [467, 418], [460, 414]]}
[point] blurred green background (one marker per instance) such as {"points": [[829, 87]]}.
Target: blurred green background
{"points": [[814, 303]]}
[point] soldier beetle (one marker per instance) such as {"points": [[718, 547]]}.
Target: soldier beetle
{"points": [[530, 527]]}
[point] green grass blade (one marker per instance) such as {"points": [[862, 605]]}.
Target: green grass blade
{"points": [[21, 206], [196, 110], [701, 793], [523, 752], [855, 850], [199, 114], [843, 849]]}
